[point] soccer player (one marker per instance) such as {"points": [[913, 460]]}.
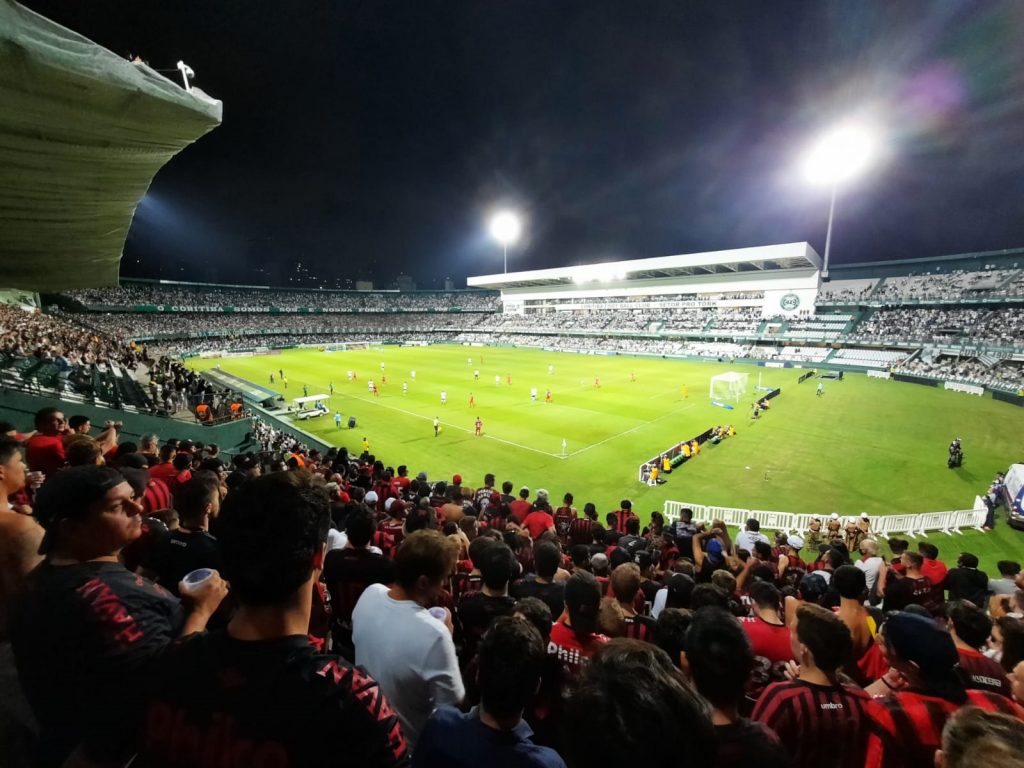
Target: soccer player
{"points": [[479, 426], [305, 390], [472, 400], [819, 720], [337, 419], [497, 380], [369, 385], [405, 387], [551, 370], [469, 361], [412, 375], [376, 392], [476, 375], [632, 376], [444, 397], [382, 365], [547, 396], [686, 391], [366, 445], [821, 389], [533, 394], [271, 377], [331, 386], [350, 375], [597, 382], [280, 373], [437, 426], [383, 379], [509, 381], [285, 382]]}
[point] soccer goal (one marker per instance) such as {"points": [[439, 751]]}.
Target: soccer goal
{"points": [[728, 386]]}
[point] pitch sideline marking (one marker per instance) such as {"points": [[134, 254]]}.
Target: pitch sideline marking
{"points": [[628, 431]]}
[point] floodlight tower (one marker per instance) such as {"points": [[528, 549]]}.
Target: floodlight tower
{"points": [[506, 227], [839, 155]]}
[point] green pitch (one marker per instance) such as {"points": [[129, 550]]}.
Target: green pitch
{"points": [[867, 445]]}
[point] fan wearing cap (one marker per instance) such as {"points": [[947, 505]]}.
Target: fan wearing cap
{"points": [[83, 608], [791, 567], [912, 719], [574, 637]]}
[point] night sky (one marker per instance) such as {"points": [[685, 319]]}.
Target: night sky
{"points": [[364, 139]]}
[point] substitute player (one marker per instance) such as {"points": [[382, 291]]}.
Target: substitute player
{"points": [[479, 426]]}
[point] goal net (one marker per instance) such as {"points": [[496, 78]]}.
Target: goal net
{"points": [[728, 386]]}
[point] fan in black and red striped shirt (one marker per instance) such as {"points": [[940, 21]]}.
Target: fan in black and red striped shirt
{"points": [[970, 628], [912, 719], [818, 720], [581, 529]]}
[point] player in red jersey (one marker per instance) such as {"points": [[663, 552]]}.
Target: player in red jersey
{"points": [[478, 427], [819, 720], [472, 401], [912, 719], [597, 382]]}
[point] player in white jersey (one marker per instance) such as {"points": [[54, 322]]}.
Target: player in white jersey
{"points": [[444, 397]]}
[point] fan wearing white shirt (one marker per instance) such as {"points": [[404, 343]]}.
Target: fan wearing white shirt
{"points": [[871, 563], [752, 532], [404, 646]]}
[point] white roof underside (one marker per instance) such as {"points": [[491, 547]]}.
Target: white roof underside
{"points": [[738, 260]]}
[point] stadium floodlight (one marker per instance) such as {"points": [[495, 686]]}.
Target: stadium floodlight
{"points": [[506, 227], [838, 156]]}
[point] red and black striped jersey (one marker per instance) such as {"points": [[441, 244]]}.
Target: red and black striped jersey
{"points": [[821, 724], [981, 673], [640, 628], [156, 497], [911, 723], [581, 531]]}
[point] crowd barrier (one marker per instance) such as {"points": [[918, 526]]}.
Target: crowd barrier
{"points": [[949, 523]]}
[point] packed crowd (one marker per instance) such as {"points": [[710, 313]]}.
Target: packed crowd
{"points": [[1006, 374], [258, 299], [958, 284], [296, 608], [53, 339]]}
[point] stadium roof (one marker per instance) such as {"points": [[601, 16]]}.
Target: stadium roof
{"points": [[82, 133], [760, 259]]}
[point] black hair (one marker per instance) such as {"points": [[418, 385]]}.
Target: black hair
{"points": [[510, 659], [764, 594], [191, 498], [970, 622], [546, 559], [850, 582], [633, 707], [928, 550], [360, 525], [720, 656], [182, 461], [590, 510], [1008, 567], [507, 487], [753, 525], [78, 420], [670, 631], [825, 635], [967, 560], [538, 613], [43, 414], [270, 530], [8, 447], [633, 526], [709, 595], [498, 566]]}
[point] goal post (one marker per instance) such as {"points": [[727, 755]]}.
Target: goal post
{"points": [[730, 386]]}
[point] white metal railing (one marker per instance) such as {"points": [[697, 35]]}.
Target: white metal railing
{"points": [[911, 525]]}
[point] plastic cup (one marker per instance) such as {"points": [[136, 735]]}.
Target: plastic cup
{"points": [[194, 580], [439, 613]]}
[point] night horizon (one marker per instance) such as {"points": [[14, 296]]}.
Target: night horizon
{"points": [[365, 141]]}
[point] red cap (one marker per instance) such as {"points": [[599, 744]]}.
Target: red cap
{"points": [[457, 479]]}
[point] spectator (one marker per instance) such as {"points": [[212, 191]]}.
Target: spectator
{"points": [[867, 663], [350, 570], [819, 720], [633, 707], [768, 633], [912, 719], [191, 546], [974, 737], [546, 559], [510, 662], [871, 563], [914, 587], [631, 542], [408, 651], [45, 449], [970, 629], [476, 611], [933, 568], [521, 507], [538, 522], [670, 633], [1006, 584], [621, 515], [103, 622], [966, 582], [262, 675], [719, 658], [750, 534], [618, 616], [574, 637]]}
